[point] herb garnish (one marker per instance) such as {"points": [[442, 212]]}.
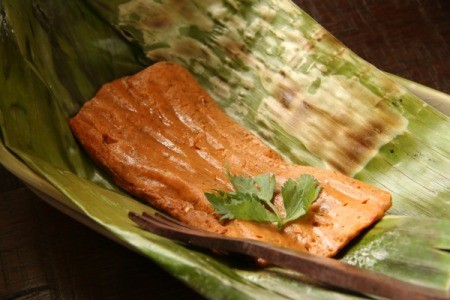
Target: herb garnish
{"points": [[252, 198]]}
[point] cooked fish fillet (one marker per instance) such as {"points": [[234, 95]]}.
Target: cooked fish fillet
{"points": [[163, 139]]}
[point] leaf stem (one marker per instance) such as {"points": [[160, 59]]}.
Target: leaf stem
{"points": [[277, 213]]}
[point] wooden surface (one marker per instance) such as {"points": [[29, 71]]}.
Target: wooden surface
{"points": [[46, 255]]}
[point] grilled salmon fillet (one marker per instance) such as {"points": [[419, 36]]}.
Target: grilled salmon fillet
{"points": [[163, 139]]}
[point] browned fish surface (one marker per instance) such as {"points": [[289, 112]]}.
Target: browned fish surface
{"points": [[164, 139]]}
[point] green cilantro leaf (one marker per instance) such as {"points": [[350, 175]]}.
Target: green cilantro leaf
{"points": [[252, 198], [240, 206], [262, 185], [298, 196]]}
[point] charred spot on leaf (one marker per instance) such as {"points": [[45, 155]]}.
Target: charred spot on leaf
{"points": [[353, 156], [377, 127], [365, 138], [159, 56], [309, 46], [319, 37], [306, 105], [182, 7], [235, 48], [338, 166], [157, 22], [191, 48], [286, 99], [332, 40], [368, 137], [352, 159]]}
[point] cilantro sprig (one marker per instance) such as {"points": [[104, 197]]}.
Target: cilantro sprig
{"points": [[252, 198]]}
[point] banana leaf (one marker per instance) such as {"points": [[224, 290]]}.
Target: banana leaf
{"points": [[55, 55]]}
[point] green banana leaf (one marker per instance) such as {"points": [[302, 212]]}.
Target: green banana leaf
{"points": [[55, 55]]}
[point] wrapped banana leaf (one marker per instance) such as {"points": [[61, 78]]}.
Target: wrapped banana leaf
{"points": [[56, 54]]}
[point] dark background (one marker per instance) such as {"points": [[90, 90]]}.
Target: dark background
{"points": [[46, 255]]}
